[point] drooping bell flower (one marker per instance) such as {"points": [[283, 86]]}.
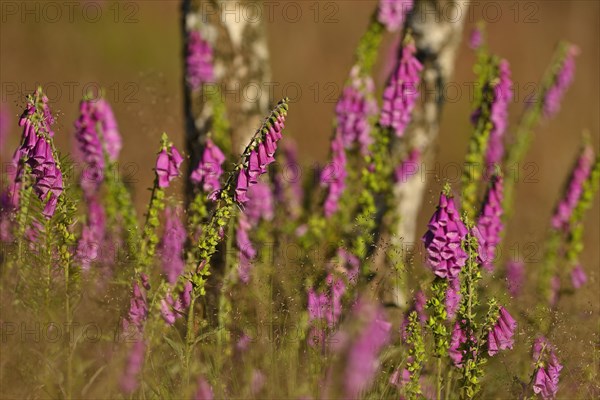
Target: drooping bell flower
{"points": [[443, 239], [500, 337], [515, 272], [562, 79], [333, 177], [355, 107], [490, 222], [167, 165], [172, 244], [210, 168], [503, 95], [36, 151], [92, 234], [401, 94], [111, 138], [130, 380], [362, 360], [174, 306], [579, 175], [199, 60], [547, 373], [260, 153], [578, 277], [392, 13]]}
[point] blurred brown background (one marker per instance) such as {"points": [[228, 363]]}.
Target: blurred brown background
{"points": [[133, 50]]}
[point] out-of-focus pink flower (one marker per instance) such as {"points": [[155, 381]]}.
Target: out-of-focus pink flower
{"points": [[392, 13], [362, 361], [503, 95], [333, 176], [580, 173], [562, 80], [204, 390], [457, 339], [135, 361], [578, 277], [490, 222], [172, 244], [409, 167], [401, 93], [209, 169], [199, 60], [515, 272], [452, 298]]}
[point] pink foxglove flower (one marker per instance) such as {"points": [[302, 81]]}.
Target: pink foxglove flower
{"points": [[490, 222], [172, 244], [135, 361], [443, 239], [453, 298], [457, 339], [355, 107], [362, 363], [138, 306], [578, 277], [210, 168], [475, 39], [515, 273], [392, 13], [92, 234], [401, 94], [199, 60], [503, 95], [500, 337], [36, 151], [547, 373], [580, 173], [260, 205], [333, 176], [167, 165], [204, 391], [409, 167], [562, 80], [260, 153], [90, 147]]}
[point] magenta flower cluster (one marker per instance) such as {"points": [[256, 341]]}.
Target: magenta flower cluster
{"points": [[490, 224], [92, 234], [36, 151], [210, 168], [445, 256], [500, 337], [580, 173], [167, 165], [262, 152], [334, 176], [355, 107], [503, 95], [547, 374], [199, 60], [401, 94], [392, 13], [562, 80]]}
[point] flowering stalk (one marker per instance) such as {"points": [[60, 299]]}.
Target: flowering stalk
{"points": [[167, 168], [417, 355], [254, 160], [490, 223], [487, 80], [554, 84]]}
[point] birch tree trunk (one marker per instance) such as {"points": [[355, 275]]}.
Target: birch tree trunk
{"points": [[236, 32]]}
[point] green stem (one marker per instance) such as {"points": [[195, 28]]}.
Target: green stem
{"points": [[439, 379]]}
